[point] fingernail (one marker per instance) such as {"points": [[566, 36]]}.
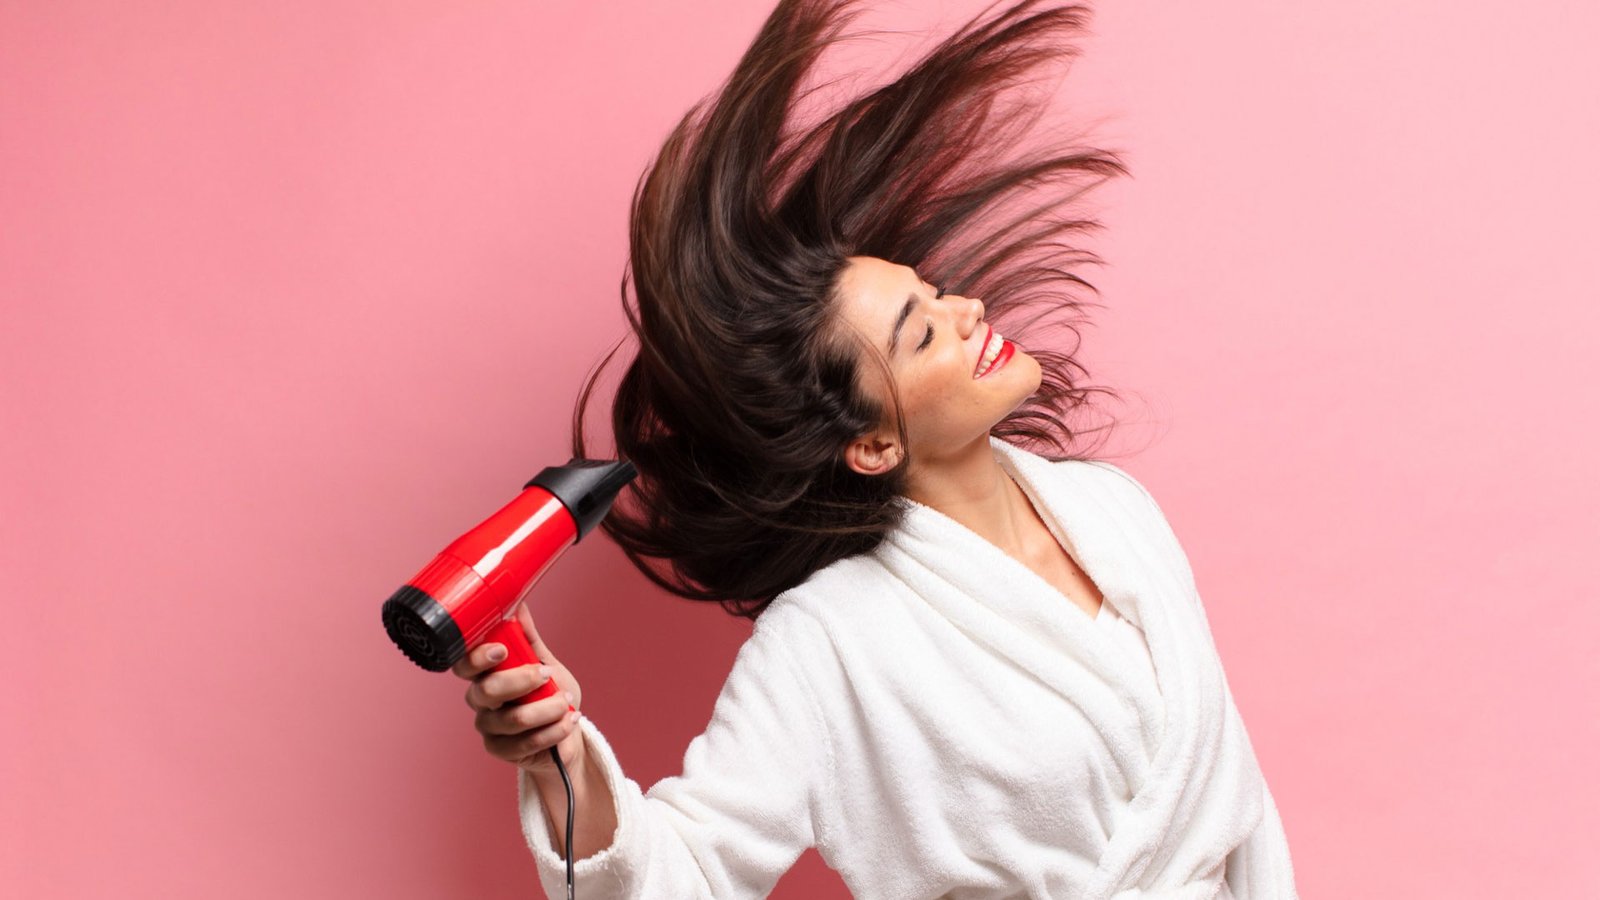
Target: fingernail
{"points": [[544, 674], [569, 695], [496, 654]]}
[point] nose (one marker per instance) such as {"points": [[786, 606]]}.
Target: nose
{"points": [[971, 315]]}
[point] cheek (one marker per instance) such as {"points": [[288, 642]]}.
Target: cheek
{"points": [[937, 399], [919, 398]]}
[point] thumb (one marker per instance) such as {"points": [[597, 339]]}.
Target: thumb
{"points": [[526, 619]]}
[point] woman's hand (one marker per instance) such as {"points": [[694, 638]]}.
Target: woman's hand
{"points": [[523, 734]]}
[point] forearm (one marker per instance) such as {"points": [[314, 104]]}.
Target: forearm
{"points": [[737, 818], [595, 821]]}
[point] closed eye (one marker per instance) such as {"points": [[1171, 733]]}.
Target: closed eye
{"points": [[928, 339]]}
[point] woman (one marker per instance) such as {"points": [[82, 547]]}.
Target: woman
{"points": [[977, 670]]}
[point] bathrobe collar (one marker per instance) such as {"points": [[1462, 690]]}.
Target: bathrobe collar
{"points": [[1005, 605], [1156, 739]]}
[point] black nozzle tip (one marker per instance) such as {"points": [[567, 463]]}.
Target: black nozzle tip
{"points": [[422, 629], [586, 487]]}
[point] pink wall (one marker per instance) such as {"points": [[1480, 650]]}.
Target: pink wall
{"points": [[292, 293]]}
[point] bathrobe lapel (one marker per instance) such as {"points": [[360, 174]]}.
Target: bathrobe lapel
{"points": [[1168, 746]]}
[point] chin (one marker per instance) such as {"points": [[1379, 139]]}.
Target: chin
{"points": [[1030, 380]]}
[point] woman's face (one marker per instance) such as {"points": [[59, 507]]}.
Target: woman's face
{"points": [[933, 345]]}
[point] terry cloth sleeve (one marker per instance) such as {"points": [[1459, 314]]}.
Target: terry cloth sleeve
{"points": [[743, 809]]}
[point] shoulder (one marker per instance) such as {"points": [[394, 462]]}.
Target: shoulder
{"points": [[1107, 484], [791, 654], [1117, 475], [1138, 498], [844, 597], [1118, 488], [824, 591], [1111, 481]]}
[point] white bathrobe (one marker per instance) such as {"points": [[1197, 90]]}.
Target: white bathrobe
{"points": [[940, 722]]}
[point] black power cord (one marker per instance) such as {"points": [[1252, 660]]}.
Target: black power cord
{"points": [[555, 753]]}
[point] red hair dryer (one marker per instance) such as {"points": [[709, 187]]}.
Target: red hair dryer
{"points": [[466, 595]]}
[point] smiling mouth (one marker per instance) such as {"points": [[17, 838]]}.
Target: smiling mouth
{"points": [[997, 351], [985, 356]]}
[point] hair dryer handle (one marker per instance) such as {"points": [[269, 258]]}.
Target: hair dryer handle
{"points": [[519, 652]]}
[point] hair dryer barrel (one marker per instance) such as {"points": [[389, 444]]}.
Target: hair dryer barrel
{"points": [[467, 593]]}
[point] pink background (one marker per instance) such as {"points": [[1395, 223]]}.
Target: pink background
{"points": [[293, 293]]}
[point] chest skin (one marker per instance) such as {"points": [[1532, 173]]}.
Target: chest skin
{"points": [[1050, 561]]}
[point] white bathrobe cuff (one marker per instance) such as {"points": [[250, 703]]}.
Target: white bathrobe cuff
{"points": [[604, 873], [743, 808]]}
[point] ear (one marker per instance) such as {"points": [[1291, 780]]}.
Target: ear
{"points": [[873, 454]]}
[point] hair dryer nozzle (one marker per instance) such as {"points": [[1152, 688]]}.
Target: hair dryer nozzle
{"points": [[586, 487]]}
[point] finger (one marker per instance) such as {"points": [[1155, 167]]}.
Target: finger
{"points": [[477, 662], [491, 691], [517, 719], [516, 748]]}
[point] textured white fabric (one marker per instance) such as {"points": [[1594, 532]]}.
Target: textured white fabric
{"points": [[940, 722], [1133, 644], [1132, 639]]}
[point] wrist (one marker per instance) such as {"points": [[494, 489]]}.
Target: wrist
{"points": [[583, 775], [574, 755]]}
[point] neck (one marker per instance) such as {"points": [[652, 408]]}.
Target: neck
{"points": [[971, 487]]}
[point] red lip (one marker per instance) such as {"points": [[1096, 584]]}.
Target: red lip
{"points": [[987, 334]]}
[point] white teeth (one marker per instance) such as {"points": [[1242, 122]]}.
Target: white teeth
{"points": [[996, 342]]}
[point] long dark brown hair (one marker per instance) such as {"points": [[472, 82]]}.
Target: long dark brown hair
{"points": [[747, 385]]}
